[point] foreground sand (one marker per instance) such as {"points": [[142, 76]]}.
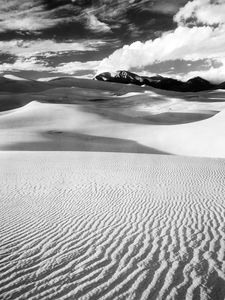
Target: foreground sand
{"points": [[78, 225]]}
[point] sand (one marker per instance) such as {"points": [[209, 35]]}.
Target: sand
{"points": [[78, 225]]}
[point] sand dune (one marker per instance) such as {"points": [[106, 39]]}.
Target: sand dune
{"points": [[16, 93], [50, 123], [13, 77], [63, 115], [100, 226]]}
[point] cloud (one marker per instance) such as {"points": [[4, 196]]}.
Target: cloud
{"points": [[201, 12], [186, 43], [27, 15], [31, 64], [73, 67], [34, 55], [34, 64], [94, 24], [47, 47], [214, 75], [37, 15], [183, 43]]}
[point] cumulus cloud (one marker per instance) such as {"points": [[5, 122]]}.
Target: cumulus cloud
{"points": [[185, 42], [202, 11]]}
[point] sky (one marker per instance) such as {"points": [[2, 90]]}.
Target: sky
{"points": [[174, 38]]}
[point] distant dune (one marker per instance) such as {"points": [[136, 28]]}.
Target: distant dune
{"points": [[111, 226]]}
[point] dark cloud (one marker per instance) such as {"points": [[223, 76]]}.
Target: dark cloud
{"points": [[53, 4], [7, 58]]}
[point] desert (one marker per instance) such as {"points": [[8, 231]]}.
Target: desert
{"points": [[112, 150], [112, 192]]}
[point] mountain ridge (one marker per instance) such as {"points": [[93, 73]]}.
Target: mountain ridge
{"points": [[195, 84]]}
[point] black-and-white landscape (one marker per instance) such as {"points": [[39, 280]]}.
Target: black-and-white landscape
{"points": [[112, 149]]}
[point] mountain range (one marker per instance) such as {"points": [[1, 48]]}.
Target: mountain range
{"points": [[195, 84]]}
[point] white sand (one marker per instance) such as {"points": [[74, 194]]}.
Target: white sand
{"points": [[100, 226]]}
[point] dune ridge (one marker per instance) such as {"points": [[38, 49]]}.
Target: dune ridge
{"points": [[78, 225]]}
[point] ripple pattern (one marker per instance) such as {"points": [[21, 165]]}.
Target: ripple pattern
{"points": [[79, 225]]}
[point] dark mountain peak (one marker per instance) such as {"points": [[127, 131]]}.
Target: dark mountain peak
{"points": [[198, 79], [199, 84], [195, 84], [157, 77], [106, 76], [129, 77], [221, 85]]}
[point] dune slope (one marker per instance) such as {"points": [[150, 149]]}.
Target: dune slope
{"points": [[63, 127], [100, 226]]}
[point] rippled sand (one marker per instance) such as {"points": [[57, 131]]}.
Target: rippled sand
{"points": [[78, 225]]}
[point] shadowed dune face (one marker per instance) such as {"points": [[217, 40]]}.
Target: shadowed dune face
{"points": [[65, 141], [101, 226]]}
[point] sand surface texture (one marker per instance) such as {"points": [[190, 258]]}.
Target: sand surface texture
{"points": [[78, 225]]}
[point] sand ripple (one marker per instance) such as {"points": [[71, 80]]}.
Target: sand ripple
{"points": [[111, 226]]}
